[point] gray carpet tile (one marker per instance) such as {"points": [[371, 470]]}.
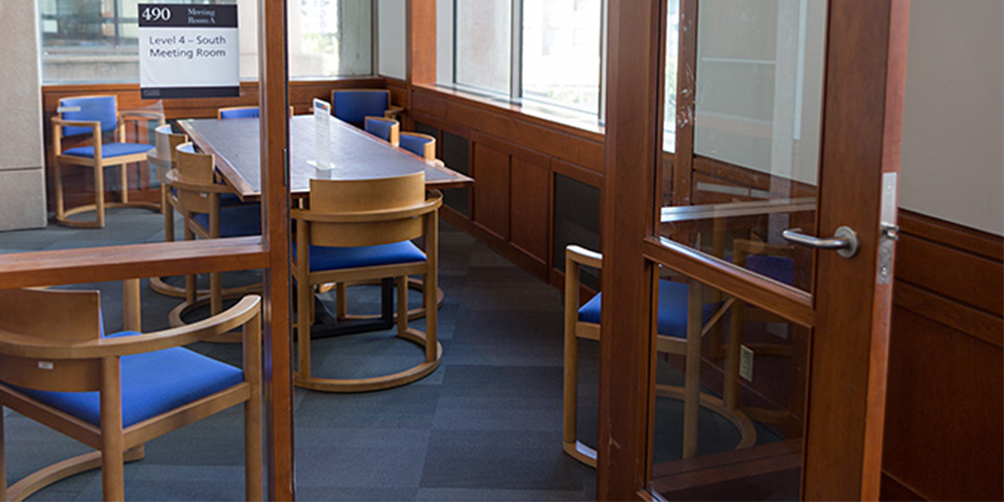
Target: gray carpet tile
{"points": [[486, 425]]}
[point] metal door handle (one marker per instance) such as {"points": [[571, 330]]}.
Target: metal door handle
{"points": [[844, 240]]}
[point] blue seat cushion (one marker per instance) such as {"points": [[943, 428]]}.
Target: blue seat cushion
{"points": [[240, 113], [152, 383], [379, 128], [334, 258], [672, 309], [109, 150], [90, 109], [235, 221]]}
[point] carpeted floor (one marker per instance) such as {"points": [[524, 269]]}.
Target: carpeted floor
{"points": [[485, 426]]}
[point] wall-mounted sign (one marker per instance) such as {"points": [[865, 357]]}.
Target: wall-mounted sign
{"points": [[188, 51]]}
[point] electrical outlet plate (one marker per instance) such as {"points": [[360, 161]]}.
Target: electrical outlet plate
{"points": [[746, 363]]}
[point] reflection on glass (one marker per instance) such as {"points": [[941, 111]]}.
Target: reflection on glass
{"points": [[483, 44], [561, 52], [735, 402], [758, 102], [672, 55], [96, 40]]}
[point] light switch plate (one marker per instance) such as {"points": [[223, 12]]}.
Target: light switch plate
{"points": [[746, 363]]}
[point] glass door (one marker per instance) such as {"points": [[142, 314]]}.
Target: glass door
{"points": [[761, 355]]}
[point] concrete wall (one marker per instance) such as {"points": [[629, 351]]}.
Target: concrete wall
{"points": [[22, 179], [391, 38], [953, 132]]}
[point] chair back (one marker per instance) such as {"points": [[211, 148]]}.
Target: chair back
{"points": [[92, 108], [776, 261], [354, 105], [238, 112], [63, 315], [386, 129], [194, 170], [422, 145], [166, 141], [358, 197]]}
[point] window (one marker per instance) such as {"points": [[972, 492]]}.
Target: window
{"points": [[96, 40], [552, 56]]}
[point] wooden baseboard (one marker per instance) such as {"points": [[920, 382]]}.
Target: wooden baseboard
{"points": [[893, 490]]}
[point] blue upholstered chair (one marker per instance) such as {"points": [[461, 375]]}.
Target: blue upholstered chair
{"points": [[92, 118], [354, 105], [116, 392], [422, 145], [386, 129], [197, 195], [357, 230], [237, 112], [674, 335]]}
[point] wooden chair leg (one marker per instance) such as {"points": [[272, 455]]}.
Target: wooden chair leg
{"points": [[57, 175], [112, 443], [168, 214], [304, 301], [215, 293], [401, 284], [730, 394], [341, 301], [99, 195], [253, 464], [124, 181], [571, 361], [692, 379], [131, 315]]}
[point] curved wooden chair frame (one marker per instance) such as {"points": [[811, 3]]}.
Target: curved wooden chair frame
{"points": [[575, 258], [195, 191], [368, 213], [428, 149], [82, 361], [394, 129], [97, 163]]}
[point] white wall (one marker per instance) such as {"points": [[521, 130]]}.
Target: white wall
{"points": [[953, 131], [22, 178], [391, 42]]}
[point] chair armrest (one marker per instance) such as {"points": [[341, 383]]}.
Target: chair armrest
{"points": [[149, 115], [48, 348], [393, 112], [583, 256], [57, 131], [172, 179]]}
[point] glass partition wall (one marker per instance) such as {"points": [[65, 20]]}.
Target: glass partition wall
{"points": [[141, 251], [755, 73]]}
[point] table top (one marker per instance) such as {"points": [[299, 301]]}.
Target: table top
{"points": [[355, 154]]}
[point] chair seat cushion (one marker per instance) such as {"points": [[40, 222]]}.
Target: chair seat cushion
{"points": [[334, 258], [152, 383], [672, 309], [779, 268], [236, 221], [109, 150]]}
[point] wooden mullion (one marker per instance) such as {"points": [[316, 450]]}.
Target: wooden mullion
{"points": [[633, 152], [277, 335]]}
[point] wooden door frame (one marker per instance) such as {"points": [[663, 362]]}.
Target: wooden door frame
{"points": [[862, 122]]}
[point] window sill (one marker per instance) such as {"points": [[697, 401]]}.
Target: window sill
{"points": [[575, 122]]}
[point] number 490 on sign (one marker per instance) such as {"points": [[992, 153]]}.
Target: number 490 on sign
{"points": [[153, 14]]}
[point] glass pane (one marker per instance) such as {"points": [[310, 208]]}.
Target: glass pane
{"points": [[96, 40], [328, 39], [483, 44], [672, 55], [561, 52], [756, 128], [737, 437]]}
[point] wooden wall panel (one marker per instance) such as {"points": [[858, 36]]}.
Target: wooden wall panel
{"points": [[491, 190], [944, 433], [530, 204]]}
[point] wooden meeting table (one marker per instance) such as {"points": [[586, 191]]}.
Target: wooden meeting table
{"points": [[355, 154]]}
